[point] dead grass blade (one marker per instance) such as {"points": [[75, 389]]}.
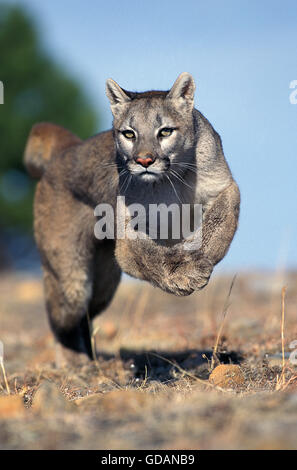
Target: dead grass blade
{"points": [[214, 358], [4, 375], [281, 380]]}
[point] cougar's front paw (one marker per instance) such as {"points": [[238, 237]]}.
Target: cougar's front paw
{"points": [[188, 277]]}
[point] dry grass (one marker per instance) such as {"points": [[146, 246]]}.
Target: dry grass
{"points": [[148, 386], [281, 382], [2, 367], [4, 376], [214, 358]]}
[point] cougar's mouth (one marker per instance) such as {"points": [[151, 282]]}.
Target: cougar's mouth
{"points": [[147, 175]]}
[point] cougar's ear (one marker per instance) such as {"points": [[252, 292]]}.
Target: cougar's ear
{"points": [[183, 90], [116, 95]]}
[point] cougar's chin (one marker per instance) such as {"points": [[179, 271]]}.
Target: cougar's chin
{"points": [[148, 176]]}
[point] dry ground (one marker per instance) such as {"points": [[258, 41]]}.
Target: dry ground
{"points": [[150, 388]]}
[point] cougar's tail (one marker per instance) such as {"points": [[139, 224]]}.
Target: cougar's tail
{"points": [[44, 141]]}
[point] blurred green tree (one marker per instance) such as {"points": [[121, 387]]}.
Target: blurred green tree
{"points": [[35, 89]]}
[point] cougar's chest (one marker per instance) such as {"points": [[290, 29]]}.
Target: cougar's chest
{"points": [[161, 213]]}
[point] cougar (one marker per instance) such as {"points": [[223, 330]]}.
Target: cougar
{"points": [[160, 150]]}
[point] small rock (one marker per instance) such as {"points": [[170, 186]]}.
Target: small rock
{"points": [[227, 376]]}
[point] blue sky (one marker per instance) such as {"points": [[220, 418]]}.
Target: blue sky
{"points": [[243, 56]]}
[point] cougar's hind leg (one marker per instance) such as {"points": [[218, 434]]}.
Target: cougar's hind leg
{"points": [[81, 291], [106, 278], [67, 303]]}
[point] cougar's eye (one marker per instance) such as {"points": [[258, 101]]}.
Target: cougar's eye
{"points": [[129, 134], [166, 132]]}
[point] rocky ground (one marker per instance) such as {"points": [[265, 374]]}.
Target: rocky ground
{"points": [[155, 383]]}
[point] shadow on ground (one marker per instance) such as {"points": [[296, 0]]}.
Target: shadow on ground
{"points": [[159, 365]]}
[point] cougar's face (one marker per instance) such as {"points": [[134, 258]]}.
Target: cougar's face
{"points": [[154, 131]]}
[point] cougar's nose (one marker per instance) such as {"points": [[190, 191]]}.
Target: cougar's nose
{"points": [[145, 160]]}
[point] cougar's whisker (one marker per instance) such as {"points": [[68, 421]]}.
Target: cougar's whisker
{"points": [[188, 168], [123, 184], [180, 178], [168, 177]]}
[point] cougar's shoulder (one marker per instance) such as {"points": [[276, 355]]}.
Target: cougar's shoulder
{"points": [[213, 172]]}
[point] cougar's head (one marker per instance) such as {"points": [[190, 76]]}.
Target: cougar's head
{"points": [[154, 131]]}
